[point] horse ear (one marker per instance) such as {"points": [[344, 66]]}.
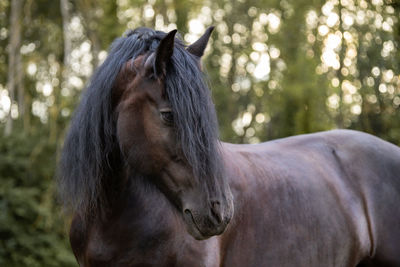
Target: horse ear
{"points": [[163, 54], [198, 47]]}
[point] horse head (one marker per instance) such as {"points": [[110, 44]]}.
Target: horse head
{"points": [[167, 131]]}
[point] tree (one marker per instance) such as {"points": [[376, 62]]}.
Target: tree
{"points": [[14, 60]]}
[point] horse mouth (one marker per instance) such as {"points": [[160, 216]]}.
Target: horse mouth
{"points": [[193, 228]]}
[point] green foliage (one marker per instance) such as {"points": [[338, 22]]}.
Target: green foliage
{"points": [[31, 229]]}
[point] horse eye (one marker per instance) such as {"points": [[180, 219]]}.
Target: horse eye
{"points": [[167, 117]]}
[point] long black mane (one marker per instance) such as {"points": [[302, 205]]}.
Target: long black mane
{"points": [[91, 158]]}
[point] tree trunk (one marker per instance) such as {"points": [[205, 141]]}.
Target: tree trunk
{"points": [[87, 11], [65, 13], [20, 84], [14, 58], [25, 96], [65, 70], [340, 116]]}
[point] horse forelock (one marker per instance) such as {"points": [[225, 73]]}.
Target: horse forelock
{"points": [[91, 155], [194, 114]]}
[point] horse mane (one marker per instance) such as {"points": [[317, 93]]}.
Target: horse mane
{"points": [[91, 157]]}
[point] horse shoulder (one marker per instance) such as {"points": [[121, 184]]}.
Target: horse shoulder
{"points": [[337, 165], [367, 179], [375, 165]]}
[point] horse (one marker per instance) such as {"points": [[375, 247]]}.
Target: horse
{"points": [[148, 182]]}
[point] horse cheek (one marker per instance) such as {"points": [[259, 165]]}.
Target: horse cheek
{"points": [[131, 140]]}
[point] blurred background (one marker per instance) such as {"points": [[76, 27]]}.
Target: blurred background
{"points": [[276, 68]]}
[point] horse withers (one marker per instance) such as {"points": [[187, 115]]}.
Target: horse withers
{"points": [[150, 184]]}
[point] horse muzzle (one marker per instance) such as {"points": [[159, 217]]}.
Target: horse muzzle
{"points": [[212, 221]]}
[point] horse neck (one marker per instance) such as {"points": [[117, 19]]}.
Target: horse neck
{"points": [[136, 195]]}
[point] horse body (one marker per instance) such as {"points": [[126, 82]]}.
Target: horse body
{"points": [[308, 200], [150, 184], [323, 199]]}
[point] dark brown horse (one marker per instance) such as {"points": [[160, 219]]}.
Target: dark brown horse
{"points": [[150, 184]]}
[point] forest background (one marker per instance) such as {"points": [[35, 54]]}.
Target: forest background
{"points": [[276, 68]]}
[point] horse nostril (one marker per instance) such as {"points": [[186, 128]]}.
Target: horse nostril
{"points": [[216, 211], [215, 204]]}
